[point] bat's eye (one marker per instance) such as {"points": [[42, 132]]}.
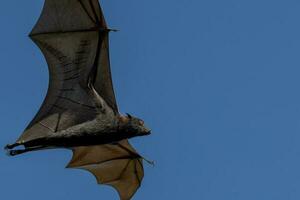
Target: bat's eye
{"points": [[141, 122]]}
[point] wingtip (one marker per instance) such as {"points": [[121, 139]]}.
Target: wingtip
{"points": [[150, 162], [124, 196], [113, 30]]}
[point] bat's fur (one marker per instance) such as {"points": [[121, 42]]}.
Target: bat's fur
{"points": [[106, 128], [95, 132]]}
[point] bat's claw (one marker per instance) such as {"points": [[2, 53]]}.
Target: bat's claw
{"points": [[8, 153], [9, 146], [11, 152], [150, 162], [14, 152]]}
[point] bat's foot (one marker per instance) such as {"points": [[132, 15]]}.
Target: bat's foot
{"points": [[15, 152], [11, 152], [8, 146], [11, 146]]}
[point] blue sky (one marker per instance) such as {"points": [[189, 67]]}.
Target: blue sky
{"points": [[217, 81]]}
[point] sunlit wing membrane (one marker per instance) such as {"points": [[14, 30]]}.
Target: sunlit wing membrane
{"points": [[117, 165]]}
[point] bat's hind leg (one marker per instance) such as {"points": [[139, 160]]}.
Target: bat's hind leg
{"points": [[11, 146], [15, 152], [21, 151]]}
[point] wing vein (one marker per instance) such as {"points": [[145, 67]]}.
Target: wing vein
{"points": [[94, 12], [73, 101], [86, 11], [46, 127], [136, 174], [121, 173], [108, 160]]}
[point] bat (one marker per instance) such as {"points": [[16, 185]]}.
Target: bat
{"points": [[80, 110]]}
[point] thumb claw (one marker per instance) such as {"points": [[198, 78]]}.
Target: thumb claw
{"points": [[150, 162]]}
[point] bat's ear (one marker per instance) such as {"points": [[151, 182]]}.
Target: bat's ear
{"points": [[129, 116]]}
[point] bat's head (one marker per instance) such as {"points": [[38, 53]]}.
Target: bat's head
{"points": [[134, 125]]}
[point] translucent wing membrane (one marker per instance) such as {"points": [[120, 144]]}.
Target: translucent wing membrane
{"points": [[117, 165], [73, 36]]}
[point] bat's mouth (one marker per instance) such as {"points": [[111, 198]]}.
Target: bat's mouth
{"points": [[145, 132], [148, 132]]}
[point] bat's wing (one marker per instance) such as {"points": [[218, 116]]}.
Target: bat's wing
{"points": [[73, 36], [117, 165]]}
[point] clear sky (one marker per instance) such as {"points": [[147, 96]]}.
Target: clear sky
{"points": [[217, 81]]}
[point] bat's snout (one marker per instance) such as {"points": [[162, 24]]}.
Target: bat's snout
{"points": [[147, 131]]}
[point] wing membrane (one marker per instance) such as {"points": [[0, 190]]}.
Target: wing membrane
{"points": [[73, 36], [117, 165], [69, 16]]}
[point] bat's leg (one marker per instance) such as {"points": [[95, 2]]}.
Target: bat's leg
{"points": [[21, 151], [15, 152], [11, 146]]}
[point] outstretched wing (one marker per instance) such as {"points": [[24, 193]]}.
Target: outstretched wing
{"points": [[117, 165], [73, 36]]}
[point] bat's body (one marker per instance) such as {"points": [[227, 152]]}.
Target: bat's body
{"points": [[95, 132], [80, 110]]}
